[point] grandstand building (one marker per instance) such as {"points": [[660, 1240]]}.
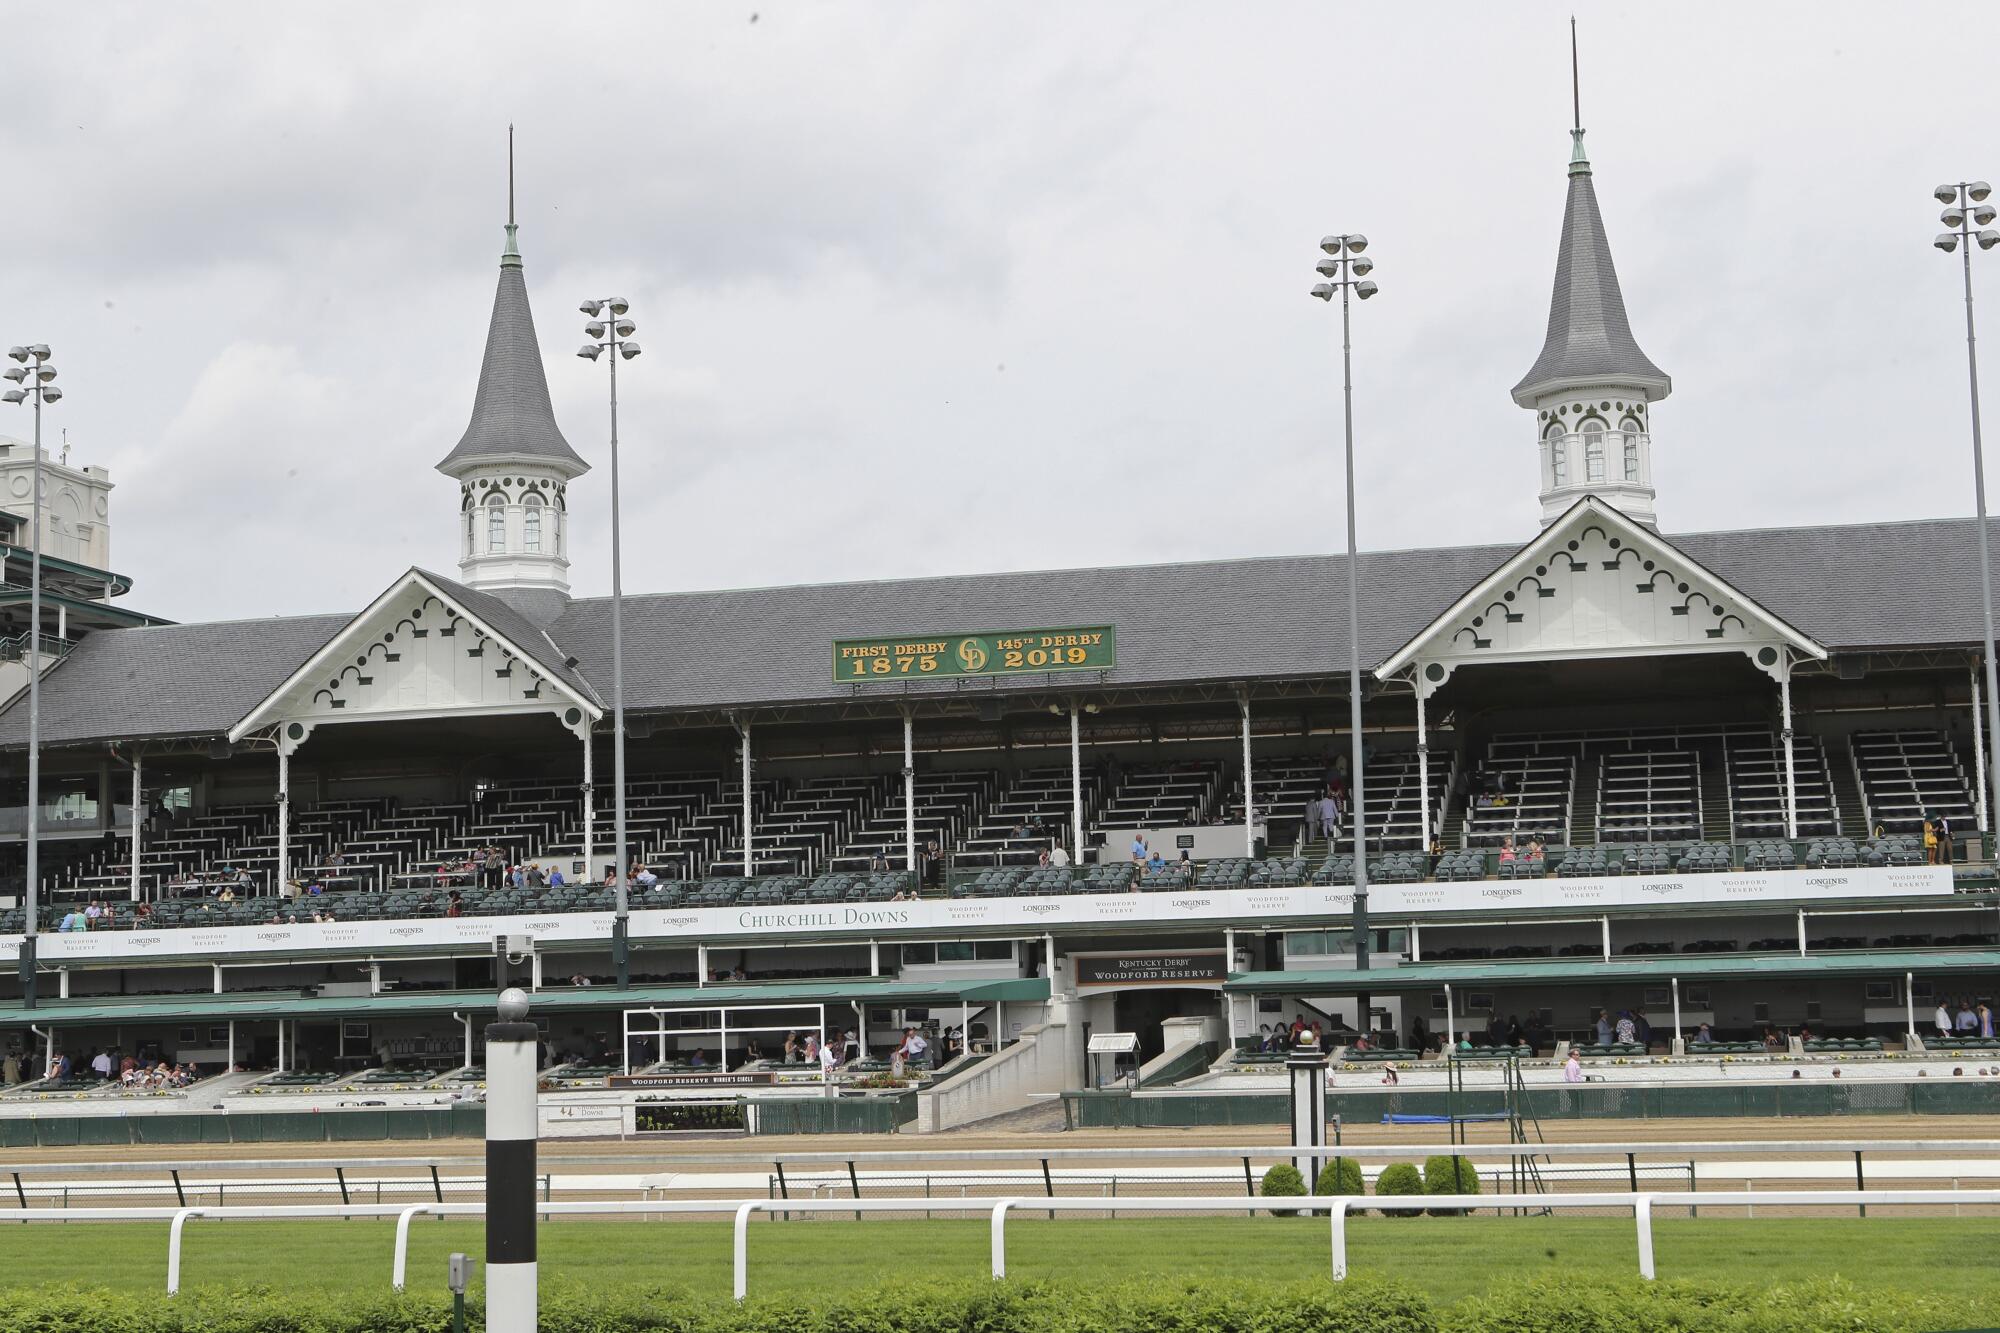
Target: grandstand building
{"points": [[1724, 745]]}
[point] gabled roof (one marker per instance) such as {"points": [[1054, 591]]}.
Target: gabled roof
{"points": [[1555, 542], [488, 615], [1589, 339], [512, 417]]}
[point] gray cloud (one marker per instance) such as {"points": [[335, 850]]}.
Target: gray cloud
{"points": [[927, 289]]}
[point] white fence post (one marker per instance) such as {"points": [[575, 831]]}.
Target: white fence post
{"points": [[1339, 1226], [743, 1248], [1642, 1213], [400, 1265], [174, 1248], [1000, 1237]]}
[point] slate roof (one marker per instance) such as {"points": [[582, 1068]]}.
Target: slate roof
{"points": [[167, 680], [1850, 587], [1589, 337], [512, 416]]}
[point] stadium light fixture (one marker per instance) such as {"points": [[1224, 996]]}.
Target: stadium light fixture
{"points": [[1343, 268], [36, 376], [612, 336], [1958, 216]]}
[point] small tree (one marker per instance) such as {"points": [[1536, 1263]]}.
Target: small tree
{"points": [[1283, 1181], [1400, 1178], [1449, 1175]]}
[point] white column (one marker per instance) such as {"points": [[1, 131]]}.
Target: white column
{"points": [[701, 965], [1604, 924], [1076, 783], [874, 958], [62, 984], [1249, 787], [1416, 943], [1979, 760], [909, 795], [232, 1045], [1802, 932], [284, 817], [1675, 982], [1909, 990], [139, 822], [1791, 774], [281, 1046], [749, 812], [467, 1020], [215, 976], [1450, 1021], [1423, 773], [589, 805]]}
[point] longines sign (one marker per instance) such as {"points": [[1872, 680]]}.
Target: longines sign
{"points": [[952, 918]]}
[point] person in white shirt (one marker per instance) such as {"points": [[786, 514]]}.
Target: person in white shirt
{"points": [[100, 1064], [1572, 1069], [829, 1059], [1943, 1020], [1058, 855], [914, 1046]]}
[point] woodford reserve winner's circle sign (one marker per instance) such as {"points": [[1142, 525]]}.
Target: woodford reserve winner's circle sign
{"points": [[993, 653]]}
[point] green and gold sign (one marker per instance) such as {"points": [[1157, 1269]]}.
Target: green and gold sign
{"points": [[1000, 653]]}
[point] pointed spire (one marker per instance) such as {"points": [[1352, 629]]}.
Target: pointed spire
{"points": [[1589, 338], [512, 417]]}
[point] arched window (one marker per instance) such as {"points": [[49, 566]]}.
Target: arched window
{"points": [[1593, 450], [471, 529], [1629, 428], [531, 523], [1558, 455], [496, 523]]}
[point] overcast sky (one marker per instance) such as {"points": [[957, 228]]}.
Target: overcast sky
{"points": [[948, 288]]}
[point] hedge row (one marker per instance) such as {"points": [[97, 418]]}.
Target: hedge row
{"points": [[1342, 1176], [1359, 1306]]}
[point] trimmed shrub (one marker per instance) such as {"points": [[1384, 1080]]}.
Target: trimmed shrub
{"points": [[1280, 1182], [1342, 1175], [1401, 1178], [1450, 1175]]}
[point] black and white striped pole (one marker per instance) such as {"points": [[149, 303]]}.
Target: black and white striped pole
{"points": [[511, 1129]]}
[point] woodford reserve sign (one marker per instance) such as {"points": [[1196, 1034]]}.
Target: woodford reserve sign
{"points": [[989, 653], [1202, 967]]}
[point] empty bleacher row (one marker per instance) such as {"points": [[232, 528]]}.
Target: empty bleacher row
{"points": [[1906, 776], [1677, 790]]}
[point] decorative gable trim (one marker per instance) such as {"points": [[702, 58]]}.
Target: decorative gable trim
{"points": [[416, 652], [1596, 584]]}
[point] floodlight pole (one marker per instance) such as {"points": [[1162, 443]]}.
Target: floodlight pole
{"points": [[616, 343], [1345, 268], [1357, 784], [1966, 238], [35, 383]]}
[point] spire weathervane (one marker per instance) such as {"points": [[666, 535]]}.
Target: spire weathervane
{"points": [[511, 256], [1579, 165], [510, 146], [1575, 91]]}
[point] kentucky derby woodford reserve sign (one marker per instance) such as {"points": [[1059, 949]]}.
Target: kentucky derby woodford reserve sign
{"points": [[1205, 967], [991, 653]]}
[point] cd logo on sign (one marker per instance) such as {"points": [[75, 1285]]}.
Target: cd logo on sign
{"points": [[972, 655]]}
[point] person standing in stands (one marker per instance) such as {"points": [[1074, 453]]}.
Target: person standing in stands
{"points": [[1943, 1019], [496, 866], [933, 863], [1628, 1031], [1603, 1027], [1942, 824]]}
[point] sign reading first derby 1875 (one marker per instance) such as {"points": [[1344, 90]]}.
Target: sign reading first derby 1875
{"points": [[1208, 967], [995, 653]]}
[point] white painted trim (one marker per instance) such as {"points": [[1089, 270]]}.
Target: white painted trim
{"points": [[1551, 539], [339, 647]]}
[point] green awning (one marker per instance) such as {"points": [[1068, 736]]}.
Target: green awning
{"points": [[1573, 971], [270, 1005]]}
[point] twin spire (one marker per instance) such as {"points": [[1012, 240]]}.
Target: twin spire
{"points": [[512, 417], [1589, 339]]}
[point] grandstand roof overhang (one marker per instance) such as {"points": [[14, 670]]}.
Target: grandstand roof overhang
{"points": [[1595, 584], [1725, 967], [266, 1005], [427, 648]]}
